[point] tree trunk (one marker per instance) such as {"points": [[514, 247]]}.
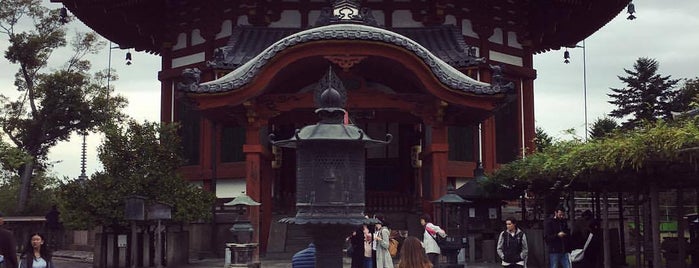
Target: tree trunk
{"points": [[25, 185]]}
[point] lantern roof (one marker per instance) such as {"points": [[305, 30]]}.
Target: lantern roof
{"points": [[244, 200], [330, 98]]}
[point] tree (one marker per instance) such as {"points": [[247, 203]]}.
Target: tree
{"points": [[542, 140], [139, 159], [602, 127], [51, 104], [687, 96], [646, 97]]}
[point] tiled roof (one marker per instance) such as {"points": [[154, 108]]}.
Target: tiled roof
{"points": [[246, 42], [243, 74]]}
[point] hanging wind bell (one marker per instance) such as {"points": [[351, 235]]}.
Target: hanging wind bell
{"points": [[566, 56], [631, 9], [128, 58], [64, 15]]}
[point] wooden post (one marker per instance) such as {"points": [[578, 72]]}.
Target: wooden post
{"points": [[158, 244], [622, 228], [133, 245], [681, 250], [605, 230], [655, 223], [637, 224]]}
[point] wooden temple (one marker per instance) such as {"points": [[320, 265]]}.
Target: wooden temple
{"points": [[450, 80]]}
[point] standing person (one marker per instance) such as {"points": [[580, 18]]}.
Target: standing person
{"points": [[512, 245], [356, 241], [381, 238], [429, 238], [412, 255], [36, 253], [556, 235], [8, 246], [368, 242], [305, 258]]}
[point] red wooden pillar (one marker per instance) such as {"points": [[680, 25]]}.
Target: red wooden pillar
{"points": [[528, 102], [489, 159], [166, 87], [438, 149], [258, 181]]}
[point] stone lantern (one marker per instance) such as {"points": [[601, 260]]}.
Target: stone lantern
{"points": [[242, 248], [451, 209], [330, 170]]}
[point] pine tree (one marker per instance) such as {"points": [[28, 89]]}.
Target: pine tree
{"points": [[646, 97], [542, 139], [602, 127]]}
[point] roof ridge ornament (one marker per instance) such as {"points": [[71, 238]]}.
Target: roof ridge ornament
{"points": [[346, 11]]}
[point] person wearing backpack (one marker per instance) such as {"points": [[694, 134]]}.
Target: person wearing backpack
{"points": [[382, 239], [429, 239], [512, 245]]}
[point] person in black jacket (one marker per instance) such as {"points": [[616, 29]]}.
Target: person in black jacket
{"points": [[512, 245], [8, 246], [556, 235]]}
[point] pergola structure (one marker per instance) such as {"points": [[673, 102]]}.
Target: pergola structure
{"points": [[639, 164]]}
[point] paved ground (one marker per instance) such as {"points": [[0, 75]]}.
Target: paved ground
{"points": [[82, 259]]}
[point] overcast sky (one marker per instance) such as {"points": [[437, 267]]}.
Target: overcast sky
{"points": [[663, 31]]}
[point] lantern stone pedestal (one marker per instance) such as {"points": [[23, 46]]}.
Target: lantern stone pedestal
{"points": [[242, 255]]}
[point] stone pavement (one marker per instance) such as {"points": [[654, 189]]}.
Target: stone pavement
{"points": [[84, 256]]}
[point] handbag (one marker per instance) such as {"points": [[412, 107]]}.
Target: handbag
{"points": [[578, 254]]}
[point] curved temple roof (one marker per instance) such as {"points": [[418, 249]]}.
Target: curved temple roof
{"points": [[448, 75]]}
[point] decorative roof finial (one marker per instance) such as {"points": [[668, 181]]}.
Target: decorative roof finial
{"points": [[346, 11], [330, 98]]}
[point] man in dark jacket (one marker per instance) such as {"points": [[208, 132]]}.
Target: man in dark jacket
{"points": [[8, 246], [556, 235]]}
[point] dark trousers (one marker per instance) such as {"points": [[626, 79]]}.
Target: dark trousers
{"points": [[434, 258], [513, 266]]}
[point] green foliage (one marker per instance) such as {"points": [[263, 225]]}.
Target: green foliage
{"points": [[51, 104], [139, 159], [43, 190], [602, 127], [542, 140], [687, 97], [619, 153], [646, 97]]}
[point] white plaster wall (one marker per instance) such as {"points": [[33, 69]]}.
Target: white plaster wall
{"points": [[226, 29], [467, 29], [196, 37], [289, 19], [242, 21], [512, 40], [187, 60], [497, 36], [404, 18], [230, 188], [506, 58], [181, 41]]}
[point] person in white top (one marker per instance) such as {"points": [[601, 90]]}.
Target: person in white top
{"points": [[429, 238]]}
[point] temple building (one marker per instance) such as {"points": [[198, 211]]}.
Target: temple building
{"points": [[450, 80]]}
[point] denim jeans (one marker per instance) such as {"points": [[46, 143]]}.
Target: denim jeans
{"points": [[368, 262], [559, 258]]}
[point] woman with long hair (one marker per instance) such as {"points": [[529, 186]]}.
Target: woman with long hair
{"points": [[412, 255], [36, 254]]}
